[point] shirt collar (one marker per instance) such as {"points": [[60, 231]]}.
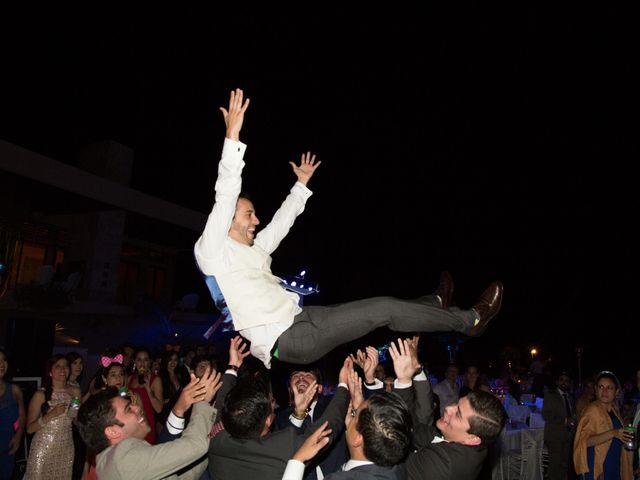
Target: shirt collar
{"points": [[355, 463]]}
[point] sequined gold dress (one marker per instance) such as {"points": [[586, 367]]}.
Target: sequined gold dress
{"points": [[51, 453]]}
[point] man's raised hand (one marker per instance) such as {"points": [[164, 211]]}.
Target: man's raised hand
{"points": [[234, 117], [237, 351], [314, 443], [402, 362], [307, 167]]}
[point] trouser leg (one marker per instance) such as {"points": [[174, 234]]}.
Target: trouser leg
{"points": [[319, 329]]}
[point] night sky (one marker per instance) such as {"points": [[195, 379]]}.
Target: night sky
{"points": [[493, 141]]}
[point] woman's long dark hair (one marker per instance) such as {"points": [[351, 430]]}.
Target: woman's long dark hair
{"points": [[48, 383], [72, 357]]}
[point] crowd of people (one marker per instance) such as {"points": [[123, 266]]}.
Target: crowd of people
{"points": [[196, 416], [364, 424]]}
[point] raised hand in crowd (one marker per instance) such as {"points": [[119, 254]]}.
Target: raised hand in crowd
{"points": [[354, 382], [402, 361], [314, 443], [347, 366], [302, 400], [198, 390], [212, 383], [367, 361], [237, 351], [413, 351]]}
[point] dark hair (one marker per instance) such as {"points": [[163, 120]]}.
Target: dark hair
{"points": [[202, 358], [97, 380], [246, 409], [313, 371], [488, 418], [127, 345], [611, 376], [94, 416], [385, 425], [181, 372], [48, 383], [141, 348], [72, 357], [112, 365]]}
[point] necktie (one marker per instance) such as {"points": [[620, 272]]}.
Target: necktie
{"points": [[567, 405]]}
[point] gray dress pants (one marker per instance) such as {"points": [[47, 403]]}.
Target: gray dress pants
{"points": [[319, 329]]}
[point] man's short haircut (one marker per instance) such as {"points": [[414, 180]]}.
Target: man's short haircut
{"points": [[96, 414], [385, 425], [488, 418], [246, 409], [202, 358], [313, 371]]}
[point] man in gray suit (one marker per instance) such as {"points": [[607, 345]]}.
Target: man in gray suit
{"points": [[115, 429]]}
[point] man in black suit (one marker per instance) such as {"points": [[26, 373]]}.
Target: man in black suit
{"points": [[378, 436], [456, 446], [307, 405], [558, 412], [246, 448]]}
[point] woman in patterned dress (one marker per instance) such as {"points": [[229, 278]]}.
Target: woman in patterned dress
{"points": [[51, 453]]}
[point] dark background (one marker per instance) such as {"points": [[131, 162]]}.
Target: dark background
{"points": [[495, 141]]}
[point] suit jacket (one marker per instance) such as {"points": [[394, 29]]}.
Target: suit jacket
{"points": [[435, 461], [365, 472], [266, 458], [332, 458], [135, 458], [555, 416]]}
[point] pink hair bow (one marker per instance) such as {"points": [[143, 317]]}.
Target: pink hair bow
{"points": [[106, 361]]}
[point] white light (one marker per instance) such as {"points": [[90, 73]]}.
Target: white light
{"points": [[303, 273], [293, 284], [310, 288], [301, 286], [285, 282], [175, 334]]}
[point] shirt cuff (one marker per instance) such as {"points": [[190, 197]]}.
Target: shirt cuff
{"points": [[421, 377], [377, 385], [296, 421], [343, 385], [301, 189], [231, 371], [399, 386], [294, 470], [175, 425]]}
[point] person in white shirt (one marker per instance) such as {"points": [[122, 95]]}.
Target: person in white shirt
{"points": [[448, 390], [236, 262]]}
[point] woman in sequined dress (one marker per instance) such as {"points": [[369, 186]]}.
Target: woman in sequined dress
{"points": [[76, 366], [51, 453]]}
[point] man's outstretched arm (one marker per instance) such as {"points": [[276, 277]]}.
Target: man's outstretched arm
{"points": [[271, 236], [228, 184]]}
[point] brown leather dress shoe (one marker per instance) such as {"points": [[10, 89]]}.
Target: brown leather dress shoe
{"points": [[445, 289], [487, 307]]}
